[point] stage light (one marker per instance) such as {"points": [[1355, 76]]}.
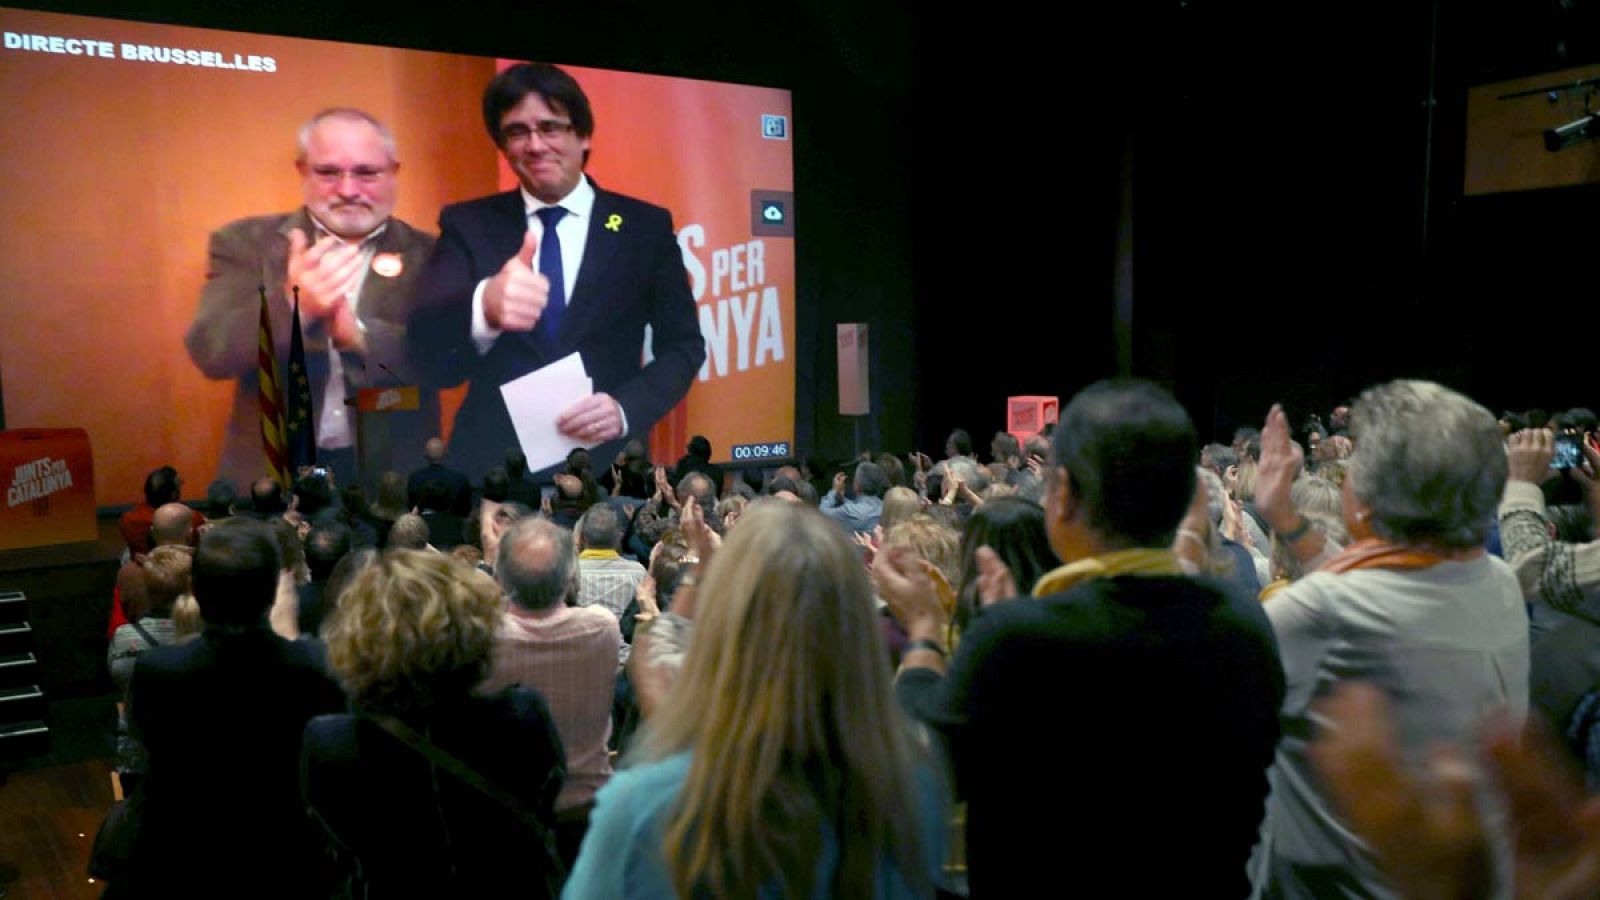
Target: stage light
{"points": [[1575, 132]]}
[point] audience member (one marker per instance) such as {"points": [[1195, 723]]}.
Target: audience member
{"points": [[1414, 602], [779, 765], [1116, 656], [697, 458], [429, 788], [605, 579], [221, 718], [326, 544], [569, 654], [410, 532], [457, 489], [861, 510]]}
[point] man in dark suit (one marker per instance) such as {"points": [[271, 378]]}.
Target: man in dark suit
{"points": [[221, 717], [355, 266], [525, 278], [455, 486]]}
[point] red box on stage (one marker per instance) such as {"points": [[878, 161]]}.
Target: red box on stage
{"points": [[1027, 416], [49, 478]]}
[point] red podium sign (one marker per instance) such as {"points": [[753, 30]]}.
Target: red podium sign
{"points": [[49, 478], [1027, 416]]}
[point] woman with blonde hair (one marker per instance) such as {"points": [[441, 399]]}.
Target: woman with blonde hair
{"points": [[428, 788], [779, 764]]}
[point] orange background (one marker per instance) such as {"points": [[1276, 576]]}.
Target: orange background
{"points": [[116, 172]]}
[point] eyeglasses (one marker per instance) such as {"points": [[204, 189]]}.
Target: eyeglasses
{"points": [[361, 174], [548, 129]]}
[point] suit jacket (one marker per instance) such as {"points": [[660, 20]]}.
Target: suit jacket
{"points": [[632, 275], [221, 718], [222, 340], [460, 488]]}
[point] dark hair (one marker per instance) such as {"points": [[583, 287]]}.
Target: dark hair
{"points": [[352, 501], [1246, 433], [1007, 442], [893, 469], [781, 483], [497, 485], [601, 528], [266, 497], [807, 491], [516, 463], [700, 446], [556, 88], [312, 494], [871, 480], [236, 572], [161, 486], [220, 497], [1128, 448], [1014, 529], [1219, 456], [961, 441], [326, 544]]}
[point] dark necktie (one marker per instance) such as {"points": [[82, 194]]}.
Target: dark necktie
{"points": [[550, 266]]}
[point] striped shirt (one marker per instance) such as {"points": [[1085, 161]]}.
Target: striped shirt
{"points": [[607, 580]]}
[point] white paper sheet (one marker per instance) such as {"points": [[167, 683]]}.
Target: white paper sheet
{"points": [[534, 401]]}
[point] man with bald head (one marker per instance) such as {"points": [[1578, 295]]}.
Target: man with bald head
{"points": [[567, 653], [172, 525], [354, 265]]}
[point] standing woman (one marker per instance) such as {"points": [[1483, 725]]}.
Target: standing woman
{"points": [[779, 764], [429, 789]]}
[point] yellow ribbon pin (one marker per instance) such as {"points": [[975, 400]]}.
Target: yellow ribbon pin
{"points": [[614, 222]]}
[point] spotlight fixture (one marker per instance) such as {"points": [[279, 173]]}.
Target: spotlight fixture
{"points": [[1575, 132]]}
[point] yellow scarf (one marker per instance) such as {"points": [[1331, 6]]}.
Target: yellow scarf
{"points": [[599, 554], [1138, 561]]}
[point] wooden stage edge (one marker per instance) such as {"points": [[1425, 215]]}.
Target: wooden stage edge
{"points": [[106, 547]]}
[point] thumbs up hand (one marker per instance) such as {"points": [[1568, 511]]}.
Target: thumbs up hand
{"points": [[515, 297]]}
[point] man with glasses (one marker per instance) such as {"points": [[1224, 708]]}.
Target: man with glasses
{"points": [[355, 266], [525, 278]]}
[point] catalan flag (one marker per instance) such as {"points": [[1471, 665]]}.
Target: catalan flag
{"points": [[271, 392], [299, 418]]}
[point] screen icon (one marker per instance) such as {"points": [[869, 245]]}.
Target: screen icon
{"points": [[772, 213], [775, 128]]}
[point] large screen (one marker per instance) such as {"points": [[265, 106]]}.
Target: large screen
{"points": [[128, 144]]}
